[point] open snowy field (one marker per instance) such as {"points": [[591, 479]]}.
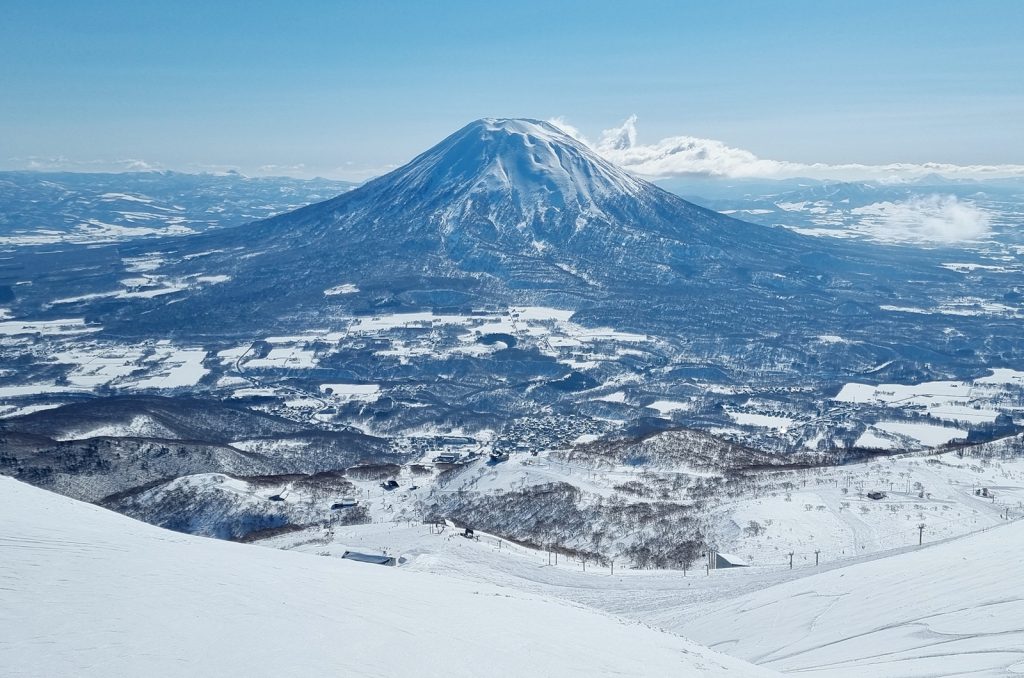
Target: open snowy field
{"points": [[86, 592], [979, 400], [945, 609], [953, 609], [120, 597]]}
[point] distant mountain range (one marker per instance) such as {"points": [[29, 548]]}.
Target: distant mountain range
{"points": [[43, 208]]}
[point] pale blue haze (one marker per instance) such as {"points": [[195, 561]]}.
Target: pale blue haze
{"points": [[347, 89]]}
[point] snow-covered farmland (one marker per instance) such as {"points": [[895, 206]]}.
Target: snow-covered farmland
{"points": [[977, 401], [761, 420], [285, 357], [15, 328], [178, 367], [346, 392], [147, 286], [665, 407]]}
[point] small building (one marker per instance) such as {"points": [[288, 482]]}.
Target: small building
{"points": [[724, 561], [876, 495], [371, 558], [390, 484], [448, 458]]}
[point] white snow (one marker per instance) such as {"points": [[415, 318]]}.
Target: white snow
{"points": [[108, 197], [285, 357], [977, 401], [871, 440], [1003, 376], [832, 339], [971, 267], [138, 426], [85, 592], [254, 393], [47, 327], [670, 406], [965, 306], [178, 367], [211, 279], [346, 392], [928, 434], [145, 263], [778, 422], [99, 363], [346, 288], [7, 411], [94, 231], [542, 313], [38, 388], [147, 287], [950, 609]]}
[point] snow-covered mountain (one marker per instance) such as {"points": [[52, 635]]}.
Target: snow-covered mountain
{"points": [[86, 592], [516, 211], [511, 284], [501, 168], [500, 206]]}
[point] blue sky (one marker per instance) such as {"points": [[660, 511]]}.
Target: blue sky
{"points": [[349, 89]]}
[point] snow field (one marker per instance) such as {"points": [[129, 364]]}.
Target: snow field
{"points": [[86, 592]]}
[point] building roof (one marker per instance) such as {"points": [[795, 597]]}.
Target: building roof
{"points": [[374, 558], [732, 560]]}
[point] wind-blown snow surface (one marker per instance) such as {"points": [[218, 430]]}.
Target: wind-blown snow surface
{"points": [[953, 609], [86, 592]]}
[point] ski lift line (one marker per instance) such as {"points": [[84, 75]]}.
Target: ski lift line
{"points": [[840, 557]]}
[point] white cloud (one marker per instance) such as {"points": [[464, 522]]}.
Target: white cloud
{"points": [[694, 156], [271, 169], [134, 165], [923, 219], [619, 139], [59, 163]]}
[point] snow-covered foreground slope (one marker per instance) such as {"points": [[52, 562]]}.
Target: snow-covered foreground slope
{"points": [[953, 609], [86, 592]]}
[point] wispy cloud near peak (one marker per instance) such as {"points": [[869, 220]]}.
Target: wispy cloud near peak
{"points": [[694, 156]]}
